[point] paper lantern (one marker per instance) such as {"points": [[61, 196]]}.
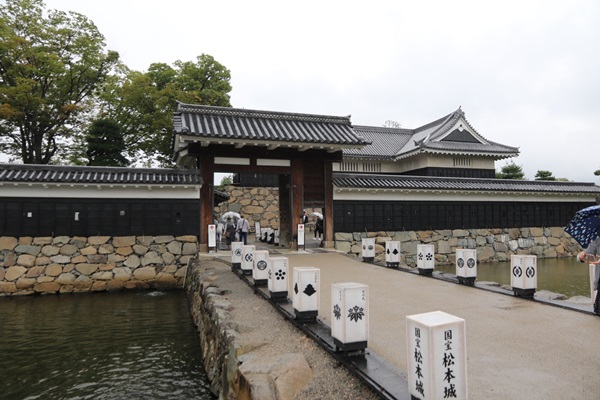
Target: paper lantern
{"points": [[278, 278], [350, 315], [260, 269], [466, 266], [248, 258], [425, 259], [392, 254], [368, 249], [236, 255], [437, 356], [523, 275], [305, 295]]}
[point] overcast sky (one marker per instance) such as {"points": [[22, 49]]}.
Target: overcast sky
{"points": [[526, 73]]}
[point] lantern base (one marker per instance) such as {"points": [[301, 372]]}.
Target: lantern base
{"points": [[426, 271], [349, 346], [524, 293], [393, 264], [260, 282], [306, 315], [469, 281], [236, 266], [368, 259], [247, 271], [278, 296]]}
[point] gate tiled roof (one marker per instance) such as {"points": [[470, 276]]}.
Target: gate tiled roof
{"points": [[235, 124], [60, 174]]}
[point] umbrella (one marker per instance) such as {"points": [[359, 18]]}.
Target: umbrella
{"points": [[585, 225], [317, 214], [230, 214]]}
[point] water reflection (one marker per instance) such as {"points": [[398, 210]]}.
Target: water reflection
{"points": [[101, 346], [559, 275]]}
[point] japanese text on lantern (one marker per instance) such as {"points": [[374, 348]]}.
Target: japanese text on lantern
{"points": [[418, 363], [448, 363]]}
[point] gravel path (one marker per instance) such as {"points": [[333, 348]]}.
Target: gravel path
{"points": [[262, 327]]}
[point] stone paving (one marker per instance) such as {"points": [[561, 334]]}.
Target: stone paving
{"points": [[516, 348]]}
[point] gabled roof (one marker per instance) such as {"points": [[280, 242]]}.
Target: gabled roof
{"points": [[451, 134], [404, 182], [62, 174], [224, 125]]}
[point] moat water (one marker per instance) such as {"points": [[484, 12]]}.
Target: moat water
{"points": [[560, 275], [126, 345]]}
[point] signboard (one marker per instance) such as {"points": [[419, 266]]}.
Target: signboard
{"points": [[300, 234], [212, 235]]}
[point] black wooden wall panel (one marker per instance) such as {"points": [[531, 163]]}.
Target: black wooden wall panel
{"points": [[106, 217], [358, 216]]}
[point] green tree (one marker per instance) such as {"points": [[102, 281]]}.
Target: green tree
{"points": [[542, 175], [50, 68], [143, 103], [597, 172], [511, 171], [226, 181], [105, 144]]}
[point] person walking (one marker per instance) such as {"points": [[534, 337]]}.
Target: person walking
{"points": [[242, 228], [229, 232], [318, 228], [591, 255]]}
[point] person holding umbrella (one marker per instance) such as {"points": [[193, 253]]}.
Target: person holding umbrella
{"points": [[591, 256], [585, 229]]}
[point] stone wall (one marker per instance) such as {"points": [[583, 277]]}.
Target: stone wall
{"points": [[492, 244], [256, 204], [216, 328], [45, 265]]}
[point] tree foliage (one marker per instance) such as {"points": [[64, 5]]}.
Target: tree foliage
{"points": [[105, 144], [226, 181], [511, 171], [143, 103], [542, 175], [50, 67]]}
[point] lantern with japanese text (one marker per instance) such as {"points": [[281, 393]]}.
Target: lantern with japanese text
{"points": [[248, 258], [350, 315], [437, 356], [305, 295], [392, 254], [236, 255], [425, 259], [368, 249], [523, 275], [466, 266], [260, 269], [278, 278]]}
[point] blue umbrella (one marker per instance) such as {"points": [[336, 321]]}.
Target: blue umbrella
{"points": [[585, 225]]}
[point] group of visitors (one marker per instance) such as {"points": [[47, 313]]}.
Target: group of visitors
{"points": [[318, 225], [233, 231]]}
